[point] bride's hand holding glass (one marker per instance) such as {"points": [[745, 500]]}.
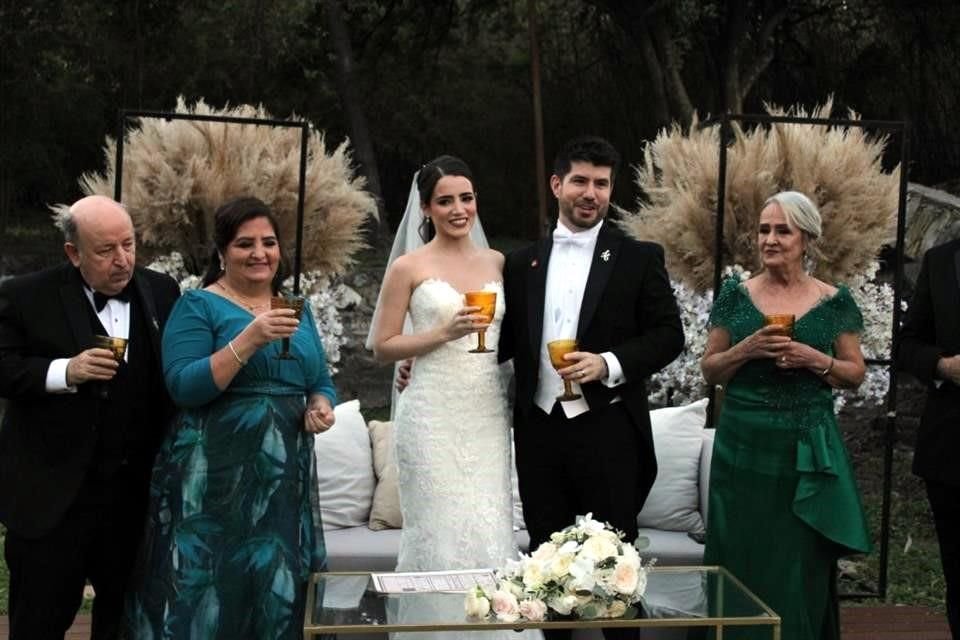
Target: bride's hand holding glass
{"points": [[467, 320]]}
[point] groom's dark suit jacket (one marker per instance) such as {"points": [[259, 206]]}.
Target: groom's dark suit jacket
{"points": [[48, 442], [932, 330], [628, 308]]}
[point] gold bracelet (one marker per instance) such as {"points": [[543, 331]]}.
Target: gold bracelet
{"points": [[828, 369], [235, 354]]}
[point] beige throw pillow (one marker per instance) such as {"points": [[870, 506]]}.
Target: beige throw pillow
{"points": [[385, 512]]}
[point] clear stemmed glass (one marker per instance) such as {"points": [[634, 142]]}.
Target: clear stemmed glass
{"points": [[487, 301]]}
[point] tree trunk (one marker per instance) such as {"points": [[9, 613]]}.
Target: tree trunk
{"points": [[378, 233]]}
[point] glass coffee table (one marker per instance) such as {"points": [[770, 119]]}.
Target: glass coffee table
{"points": [[675, 597]]}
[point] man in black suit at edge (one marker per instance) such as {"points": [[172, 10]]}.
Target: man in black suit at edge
{"points": [[80, 431], [930, 350], [612, 293]]}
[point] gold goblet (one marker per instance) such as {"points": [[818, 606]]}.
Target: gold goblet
{"points": [[487, 301], [557, 349], [287, 302], [783, 322], [118, 346]]}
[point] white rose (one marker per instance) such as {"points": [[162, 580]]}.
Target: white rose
{"points": [[559, 565], [476, 606], [544, 552], [505, 606], [598, 548], [532, 576], [616, 609], [625, 577], [564, 604], [534, 610]]}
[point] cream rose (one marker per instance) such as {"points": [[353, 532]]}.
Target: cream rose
{"points": [[505, 606], [625, 577], [476, 605], [534, 610], [598, 548], [544, 552]]}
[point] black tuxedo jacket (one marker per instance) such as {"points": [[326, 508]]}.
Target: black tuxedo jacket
{"points": [[628, 308], [932, 330], [47, 440]]}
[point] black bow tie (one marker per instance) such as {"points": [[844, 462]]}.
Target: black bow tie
{"points": [[100, 299]]}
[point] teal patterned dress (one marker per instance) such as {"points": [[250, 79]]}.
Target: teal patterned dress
{"points": [[784, 505], [234, 525]]}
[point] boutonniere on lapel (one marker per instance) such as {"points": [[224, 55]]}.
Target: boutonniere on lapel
{"points": [[534, 263], [605, 256]]}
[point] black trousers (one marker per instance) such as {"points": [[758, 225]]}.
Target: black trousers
{"points": [[945, 504], [97, 540], [570, 467]]}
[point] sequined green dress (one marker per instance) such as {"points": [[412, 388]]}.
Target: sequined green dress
{"points": [[784, 504]]}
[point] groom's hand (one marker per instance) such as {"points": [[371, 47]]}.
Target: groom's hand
{"points": [[584, 367], [403, 374]]}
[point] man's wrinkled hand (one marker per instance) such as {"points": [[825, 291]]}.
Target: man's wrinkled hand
{"points": [[92, 364]]}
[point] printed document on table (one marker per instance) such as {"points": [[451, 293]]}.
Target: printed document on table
{"points": [[433, 581]]}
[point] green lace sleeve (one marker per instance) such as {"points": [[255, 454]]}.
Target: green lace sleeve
{"points": [[725, 304], [846, 314]]}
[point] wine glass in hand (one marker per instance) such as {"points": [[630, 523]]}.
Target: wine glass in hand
{"points": [[487, 301], [287, 302], [557, 349]]}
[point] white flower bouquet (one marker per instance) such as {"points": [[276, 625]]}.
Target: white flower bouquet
{"points": [[585, 571]]}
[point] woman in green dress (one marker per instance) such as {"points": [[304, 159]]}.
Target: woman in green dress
{"points": [[784, 504], [234, 530]]}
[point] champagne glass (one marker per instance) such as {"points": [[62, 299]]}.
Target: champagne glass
{"points": [[287, 302], [557, 349], [118, 346], [783, 322], [487, 301]]}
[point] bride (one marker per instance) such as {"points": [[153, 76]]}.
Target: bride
{"points": [[451, 423]]}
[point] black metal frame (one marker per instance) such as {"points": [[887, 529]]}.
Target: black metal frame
{"points": [[893, 126], [129, 114]]}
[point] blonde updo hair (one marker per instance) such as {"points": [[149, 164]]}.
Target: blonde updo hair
{"points": [[801, 213]]}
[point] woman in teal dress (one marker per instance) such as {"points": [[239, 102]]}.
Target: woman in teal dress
{"points": [[784, 504], [234, 529]]}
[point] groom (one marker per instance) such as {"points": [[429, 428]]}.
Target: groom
{"points": [[590, 282]]}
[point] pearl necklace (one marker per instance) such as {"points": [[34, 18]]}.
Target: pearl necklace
{"points": [[233, 295]]}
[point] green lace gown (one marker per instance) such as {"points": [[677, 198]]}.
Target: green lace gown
{"points": [[234, 524], [784, 504]]}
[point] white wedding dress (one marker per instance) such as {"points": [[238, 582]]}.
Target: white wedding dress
{"points": [[453, 456]]}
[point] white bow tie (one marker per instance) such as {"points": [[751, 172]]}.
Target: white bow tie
{"points": [[562, 235]]}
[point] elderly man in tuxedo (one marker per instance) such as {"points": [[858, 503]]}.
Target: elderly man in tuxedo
{"points": [[930, 350], [590, 282], [81, 430]]}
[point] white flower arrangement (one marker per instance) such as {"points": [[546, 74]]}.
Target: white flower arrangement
{"points": [[587, 571], [681, 382], [325, 300]]}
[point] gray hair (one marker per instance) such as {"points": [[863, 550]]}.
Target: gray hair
{"points": [[802, 213], [63, 219]]}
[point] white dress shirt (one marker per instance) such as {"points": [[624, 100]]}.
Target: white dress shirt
{"points": [[115, 317], [567, 273]]}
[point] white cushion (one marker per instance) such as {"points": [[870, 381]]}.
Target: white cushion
{"points": [[674, 500], [345, 476]]}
